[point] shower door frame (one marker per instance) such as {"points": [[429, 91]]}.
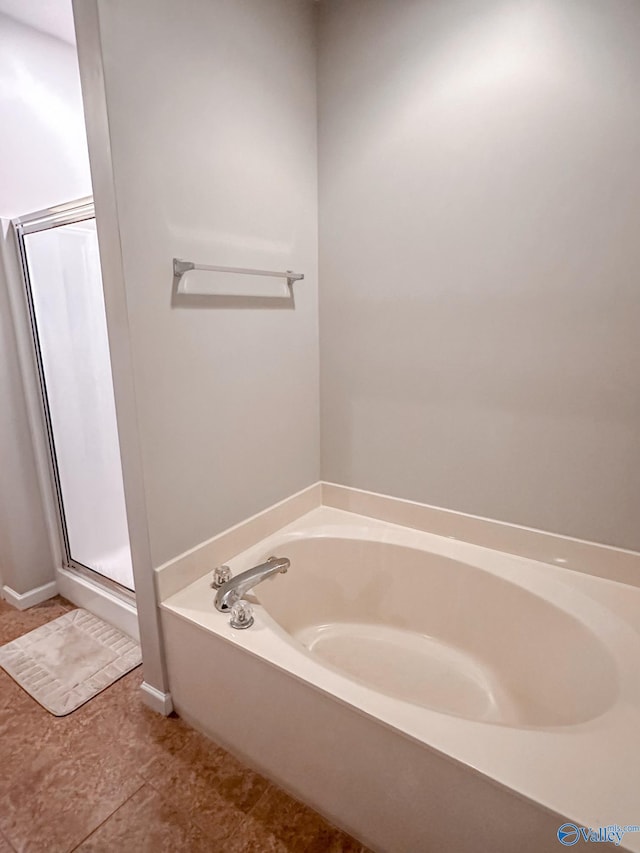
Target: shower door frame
{"points": [[44, 220]]}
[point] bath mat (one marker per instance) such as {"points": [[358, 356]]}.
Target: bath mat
{"points": [[70, 660]]}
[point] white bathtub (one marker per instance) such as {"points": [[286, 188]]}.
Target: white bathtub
{"points": [[422, 692]]}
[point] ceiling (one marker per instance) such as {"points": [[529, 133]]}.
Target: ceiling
{"points": [[54, 17]]}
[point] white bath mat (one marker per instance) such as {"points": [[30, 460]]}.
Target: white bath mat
{"points": [[68, 661]]}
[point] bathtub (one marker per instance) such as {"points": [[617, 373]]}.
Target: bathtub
{"points": [[421, 692]]}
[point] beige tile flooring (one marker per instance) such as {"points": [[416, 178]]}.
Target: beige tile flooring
{"points": [[113, 777]]}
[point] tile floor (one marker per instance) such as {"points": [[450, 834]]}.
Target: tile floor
{"points": [[113, 777]]}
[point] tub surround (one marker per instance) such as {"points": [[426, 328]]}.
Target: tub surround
{"points": [[193, 564], [592, 558], [518, 772]]}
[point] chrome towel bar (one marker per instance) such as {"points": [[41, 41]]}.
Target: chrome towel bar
{"points": [[181, 267]]}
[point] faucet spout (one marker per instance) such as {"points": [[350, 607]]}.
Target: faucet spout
{"points": [[234, 589]]}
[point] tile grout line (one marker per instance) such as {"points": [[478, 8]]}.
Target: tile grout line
{"points": [[194, 820], [257, 802], [183, 812], [102, 823], [244, 820], [272, 786]]}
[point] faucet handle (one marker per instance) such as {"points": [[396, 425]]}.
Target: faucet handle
{"points": [[241, 615], [221, 574]]}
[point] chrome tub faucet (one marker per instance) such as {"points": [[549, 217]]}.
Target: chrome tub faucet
{"points": [[232, 590]]}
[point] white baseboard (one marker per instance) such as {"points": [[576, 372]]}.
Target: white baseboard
{"points": [[96, 599], [156, 699], [24, 600]]}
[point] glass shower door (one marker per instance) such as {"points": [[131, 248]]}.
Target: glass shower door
{"points": [[64, 288]]}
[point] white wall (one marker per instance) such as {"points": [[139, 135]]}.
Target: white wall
{"points": [[212, 124], [480, 301], [26, 561], [43, 161], [43, 148]]}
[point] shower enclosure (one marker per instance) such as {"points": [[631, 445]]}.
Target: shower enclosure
{"points": [[61, 267]]}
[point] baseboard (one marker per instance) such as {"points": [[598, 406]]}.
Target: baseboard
{"points": [[24, 600], [102, 602], [156, 699]]}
